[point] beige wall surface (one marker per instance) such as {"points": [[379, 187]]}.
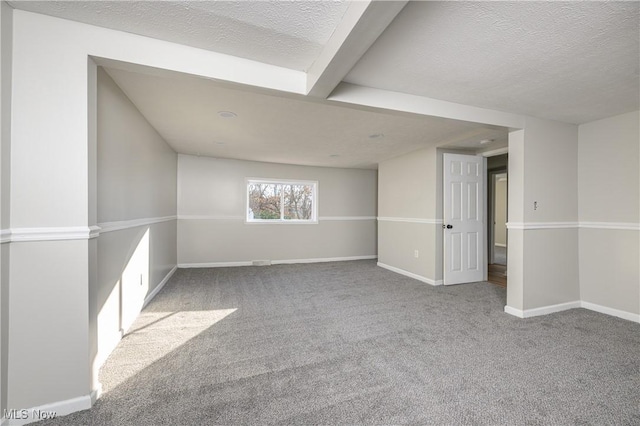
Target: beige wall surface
{"points": [[407, 186], [550, 267], [501, 212], [5, 111], [550, 178], [551, 171], [212, 205], [137, 173], [609, 272], [407, 192], [216, 187], [211, 241], [515, 197], [515, 189], [397, 242], [410, 205], [136, 167], [515, 269], [35, 330], [609, 196], [609, 164], [5, 187]]}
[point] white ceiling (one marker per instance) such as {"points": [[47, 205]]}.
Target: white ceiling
{"points": [[566, 61], [289, 34], [294, 130]]}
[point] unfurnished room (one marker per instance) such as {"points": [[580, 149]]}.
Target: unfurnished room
{"points": [[319, 212]]}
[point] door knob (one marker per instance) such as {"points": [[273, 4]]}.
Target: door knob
{"points": [[447, 226]]}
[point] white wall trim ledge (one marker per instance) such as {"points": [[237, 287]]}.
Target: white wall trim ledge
{"points": [[569, 225], [61, 408], [410, 274], [157, 289], [274, 262], [75, 232], [320, 218], [133, 223], [208, 217], [409, 220], [542, 225], [545, 310], [611, 225], [53, 234], [344, 218]]}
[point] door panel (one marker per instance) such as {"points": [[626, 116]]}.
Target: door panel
{"points": [[463, 211]]}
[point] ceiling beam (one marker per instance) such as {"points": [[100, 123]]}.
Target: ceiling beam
{"points": [[368, 97], [362, 24]]}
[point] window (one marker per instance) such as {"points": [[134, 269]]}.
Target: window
{"points": [[282, 201]]}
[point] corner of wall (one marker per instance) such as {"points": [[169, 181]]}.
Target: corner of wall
{"points": [[6, 56]]}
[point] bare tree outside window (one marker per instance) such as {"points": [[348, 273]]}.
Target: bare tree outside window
{"points": [[264, 200], [298, 201], [281, 201]]}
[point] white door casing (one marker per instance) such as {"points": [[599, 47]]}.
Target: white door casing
{"points": [[463, 215]]}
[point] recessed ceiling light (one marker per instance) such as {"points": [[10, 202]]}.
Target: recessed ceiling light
{"points": [[486, 141], [227, 114], [376, 136]]}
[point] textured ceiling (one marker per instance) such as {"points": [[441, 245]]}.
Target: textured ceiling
{"points": [[567, 61], [184, 110], [284, 33]]}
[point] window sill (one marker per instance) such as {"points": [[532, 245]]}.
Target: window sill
{"points": [[281, 222]]}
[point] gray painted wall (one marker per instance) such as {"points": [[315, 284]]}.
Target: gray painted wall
{"points": [[515, 197], [609, 176], [137, 174], [501, 212], [551, 178], [214, 191], [407, 198], [410, 197], [5, 186]]}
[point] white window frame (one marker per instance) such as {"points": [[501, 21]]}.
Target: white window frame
{"points": [[314, 214]]}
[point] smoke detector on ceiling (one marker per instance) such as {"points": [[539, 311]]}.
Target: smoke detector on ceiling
{"points": [[227, 114]]}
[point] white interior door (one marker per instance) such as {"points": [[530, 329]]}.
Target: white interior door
{"points": [[463, 218]]}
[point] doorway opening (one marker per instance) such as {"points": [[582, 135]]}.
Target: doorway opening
{"points": [[497, 201]]}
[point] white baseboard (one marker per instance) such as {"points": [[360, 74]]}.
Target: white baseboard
{"points": [[60, 408], [611, 311], [275, 262], [500, 245], [410, 274], [95, 394], [514, 311], [323, 259], [213, 264], [157, 289], [544, 310]]}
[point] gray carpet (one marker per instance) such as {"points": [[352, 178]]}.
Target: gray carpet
{"points": [[351, 343], [500, 255]]}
